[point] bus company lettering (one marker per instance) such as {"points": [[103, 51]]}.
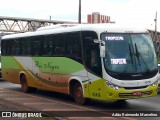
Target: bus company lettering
{"points": [[49, 65], [118, 61], [114, 38]]}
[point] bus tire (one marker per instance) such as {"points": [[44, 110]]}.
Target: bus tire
{"points": [[78, 95], [24, 85]]}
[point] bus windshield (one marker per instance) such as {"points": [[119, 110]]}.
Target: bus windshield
{"points": [[129, 54]]}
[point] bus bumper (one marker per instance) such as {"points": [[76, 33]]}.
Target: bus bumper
{"points": [[101, 91], [122, 93]]}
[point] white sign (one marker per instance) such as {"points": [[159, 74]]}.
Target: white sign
{"points": [[21, 114], [119, 61], [114, 38]]}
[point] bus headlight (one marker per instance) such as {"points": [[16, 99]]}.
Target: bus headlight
{"points": [[111, 85], [154, 84]]}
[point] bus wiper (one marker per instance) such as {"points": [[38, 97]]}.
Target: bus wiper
{"points": [[138, 55], [131, 54]]}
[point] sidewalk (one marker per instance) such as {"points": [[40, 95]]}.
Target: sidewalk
{"points": [[7, 107]]}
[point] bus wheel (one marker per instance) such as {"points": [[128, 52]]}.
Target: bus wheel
{"points": [[24, 85], [78, 95]]}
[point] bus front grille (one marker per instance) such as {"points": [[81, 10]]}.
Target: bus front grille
{"points": [[132, 95], [131, 88]]}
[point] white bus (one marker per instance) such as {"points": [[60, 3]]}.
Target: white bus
{"points": [[98, 61]]}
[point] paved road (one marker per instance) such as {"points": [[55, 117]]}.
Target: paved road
{"points": [[50, 102]]}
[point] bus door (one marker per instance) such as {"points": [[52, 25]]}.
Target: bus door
{"points": [[92, 62]]}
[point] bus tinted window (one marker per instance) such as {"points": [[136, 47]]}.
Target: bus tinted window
{"points": [[59, 44], [73, 49], [16, 47], [48, 45], [26, 46], [36, 45], [7, 47]]}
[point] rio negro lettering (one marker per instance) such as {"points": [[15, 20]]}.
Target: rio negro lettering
{"points": [[49, 65]]}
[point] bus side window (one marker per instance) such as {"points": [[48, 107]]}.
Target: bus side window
{"points": [[9, 46], [59, 47], [17, 43], [73, 49], [48, 45], [26, 46], [4, 45], [91, 52], [36, 46], [51, 46]]}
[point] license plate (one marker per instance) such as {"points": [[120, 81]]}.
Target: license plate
{"points": [[137, 94]]}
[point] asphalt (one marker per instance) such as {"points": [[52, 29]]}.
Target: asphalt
{"points": [[12, 103]]}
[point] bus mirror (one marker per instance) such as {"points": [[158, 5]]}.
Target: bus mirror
{"points": [[102, 47], [99, 41], [102, 51]]}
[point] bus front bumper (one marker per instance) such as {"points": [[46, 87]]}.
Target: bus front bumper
{"points": [[122, 93]]}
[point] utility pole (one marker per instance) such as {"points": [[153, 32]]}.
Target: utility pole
{"points": [[156, 38], [79, 14], [50, 18]]}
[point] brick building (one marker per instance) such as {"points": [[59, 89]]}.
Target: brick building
{"points": [[96, 17]]}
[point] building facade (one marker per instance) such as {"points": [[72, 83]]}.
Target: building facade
{"points": [[96, 17]]}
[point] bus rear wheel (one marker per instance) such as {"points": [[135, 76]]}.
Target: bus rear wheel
{"points": [[78, 95], [24, 85]]}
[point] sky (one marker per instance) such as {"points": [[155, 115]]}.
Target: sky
{"points": [[125, 12]]}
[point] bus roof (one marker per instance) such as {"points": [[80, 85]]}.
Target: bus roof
{"points": [[98, 28]]}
